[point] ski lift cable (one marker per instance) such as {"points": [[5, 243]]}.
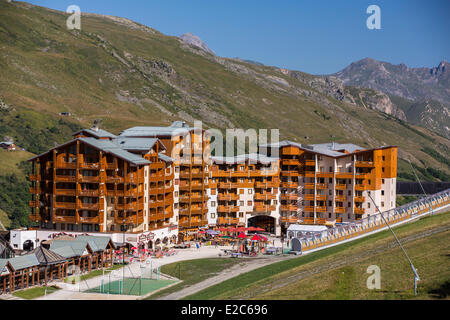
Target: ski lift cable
{"points": [[416, 275], [420, 183]]}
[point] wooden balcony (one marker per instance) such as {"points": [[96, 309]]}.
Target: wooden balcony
{"points": [[156, 178], [344, 175], [309, 174], [318, 209], [361, 187], [360, 199], [340, 210], [265, 185], [308, 220], [65, 178], [310, 163], [308, 197], [156, 204], [89, 166], [66, 205], [125, 220], [289, 196], [309, 186], [291, 219], [231, 221], [325, 174], [213, 185], [88, 179], [359, 210], [64, 219], [365, 164], [66, 165], [340, 186], [322, 186], [321, 197], [34, 217], [111, 179], [289, 185], [264, 208], [340, 198], [227, 197], [246, 184], [65, 192], [226, 209], [88, 206], [228, 185], [35, 190], [88, 193], [92, 220], [362, 175], [290, 207], [290, 173], [265, 196], [290, 162]]}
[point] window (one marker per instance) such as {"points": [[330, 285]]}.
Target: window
{"points": [[384, 158], [176, 193], [213, 192], [241, 214], [382, 192], [250, 203], [213, 215], [349, 204], [250, 191], [382, 203], [368, 205], [349, 192], [330, 180], [331, 169], [382, 181], [329, 203], [275, 202], [213, 203], [241, 191], [177, 169], [241, 203]]}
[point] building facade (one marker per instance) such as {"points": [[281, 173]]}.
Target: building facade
{"points": [[162, 180]]}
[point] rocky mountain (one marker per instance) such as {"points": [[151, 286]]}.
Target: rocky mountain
{"points": [[194, 40], [399, 80], [128, 74], [418, 95]]}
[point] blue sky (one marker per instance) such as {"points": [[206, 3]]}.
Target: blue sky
{"points": [[318, 37]]}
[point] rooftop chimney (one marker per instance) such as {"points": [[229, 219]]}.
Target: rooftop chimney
{"points": [[95, 126]]}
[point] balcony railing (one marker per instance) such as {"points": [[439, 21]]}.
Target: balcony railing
{"points": [[365, 164], [318, 209], [65, 178], [291, 219], [340, 198], [264, 208], [94, 220], [265, 196], [359, 210], [289, 207], [360, 199], [340, 186], [290, 196], [227, 197], [339, 210], [227, 209]]}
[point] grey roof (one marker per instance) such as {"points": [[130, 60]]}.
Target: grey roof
{"points": [[177, 128], [78, 246], [23, 262], [328, 149], [136, 144], [98, 134], [101, 243], [8, 143], [3, 263], [164, 157], [47, 257], [66, 252], [252, 157], [114, 149]]}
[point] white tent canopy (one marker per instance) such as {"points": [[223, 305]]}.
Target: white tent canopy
{"points": [[299, 230]]}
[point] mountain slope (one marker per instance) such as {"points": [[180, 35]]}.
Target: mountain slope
{"points": [[127, 74]]}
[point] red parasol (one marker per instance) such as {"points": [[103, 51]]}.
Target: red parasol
{"points": [[259, 229], [240, 229], [251, 229], [256, 237], [264, 238], [222, 229], [202, 232], [242, 236]]}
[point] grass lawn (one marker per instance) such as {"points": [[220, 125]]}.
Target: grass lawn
{"points": [[193, 271], [97, 273], [34, 293], [347, 281]]}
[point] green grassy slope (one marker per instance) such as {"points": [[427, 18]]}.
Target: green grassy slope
{"points": [[340, 272]]}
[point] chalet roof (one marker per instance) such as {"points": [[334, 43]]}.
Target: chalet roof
{"points": [[78, 247], [98, 134], [177, 128], [8, 143], [331, 149], [138, 144], [252, 157], [23, 262], [105, 146], [164, 157], [101, 243], [47, 257], [66, 252], [3, 263]]}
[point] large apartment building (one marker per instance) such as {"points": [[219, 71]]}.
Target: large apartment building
{"points": [[162, 182], [332, 182], [244, 191]]}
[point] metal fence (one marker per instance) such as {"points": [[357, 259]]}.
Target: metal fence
{"points": [[410, 210]]}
